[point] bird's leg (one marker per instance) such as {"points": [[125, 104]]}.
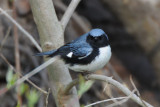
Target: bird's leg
{"points": [[85, 74]]}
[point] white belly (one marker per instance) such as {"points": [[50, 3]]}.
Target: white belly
{"points": [[98, 63]]}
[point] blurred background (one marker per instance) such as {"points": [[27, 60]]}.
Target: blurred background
{"points": [[133, 28]]}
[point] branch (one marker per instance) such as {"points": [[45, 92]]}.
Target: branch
{"points": [[124, 89], [98, 102], [113, 82], [79, 21], [36, 70], [52, 37], [21, 29], [34, 85], [17, 55], [49, 90], [124, 99], [5, 38], [138, 93], [70, 86], [67, 15]]}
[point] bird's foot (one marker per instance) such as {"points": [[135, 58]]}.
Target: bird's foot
{"points": [[86, 74]]}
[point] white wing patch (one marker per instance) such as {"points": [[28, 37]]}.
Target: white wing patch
{"points": [[70, 54]]}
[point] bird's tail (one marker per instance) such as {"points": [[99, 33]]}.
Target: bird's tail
{"points": [[48, 53]]}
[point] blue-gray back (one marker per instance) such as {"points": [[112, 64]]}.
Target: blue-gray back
{"points": [[79, 47]]}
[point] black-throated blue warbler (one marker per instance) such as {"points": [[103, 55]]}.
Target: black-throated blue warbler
{"points": [[88, 53]]}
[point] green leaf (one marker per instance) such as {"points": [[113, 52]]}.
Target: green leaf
{"points": [[18, 105], [23, 88], [9, 75], [82, 106], [32, 97], [10, 78], [84, 86]]}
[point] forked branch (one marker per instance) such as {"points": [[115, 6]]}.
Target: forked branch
{"points": [[113, 82]]}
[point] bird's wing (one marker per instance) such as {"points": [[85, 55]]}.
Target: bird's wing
{"points": [[78, 50], [81, 51]]}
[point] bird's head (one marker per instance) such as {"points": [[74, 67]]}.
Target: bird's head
{"points": [[97, 38]]}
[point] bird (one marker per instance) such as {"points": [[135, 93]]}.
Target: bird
{"points": [[88, 53]]}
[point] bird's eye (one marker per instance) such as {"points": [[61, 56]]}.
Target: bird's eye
{"points": [[91, 37]]}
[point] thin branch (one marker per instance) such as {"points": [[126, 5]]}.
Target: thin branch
{"points": [[21, 29], [113, 71], [49, 90], [138, 93], [59, 4], [2, 56], [107, 100], [36, 70], [16, 44], [67, 15], [5, 38], [116, 76], [115, 83], [124, 89], [70, 86], [7, 11], [122, 101], [109, 92], [34, 85], [112, 99], [17, 55], [134, 86]]}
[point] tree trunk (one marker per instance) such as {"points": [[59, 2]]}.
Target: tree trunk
{"points": [[51, 37]]}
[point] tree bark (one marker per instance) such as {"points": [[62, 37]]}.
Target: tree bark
{"points": [[51, 37]]}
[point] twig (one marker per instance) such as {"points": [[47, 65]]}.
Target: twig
{"points": [[124, 89], [115, 83], [17, 54], [49, 90], [112, 99], [138, 93], [36, 70], [7, 11], [107, 100], [113, 71], [2, 56], [5, 38], [21, 29], [67, 15], [27, 51], [122, 101], [34, 85], [134, 86], [70, 86], [115, 75], [109, 92], [59, 4]]}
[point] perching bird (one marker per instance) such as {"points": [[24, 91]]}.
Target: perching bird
{"points": [[88, 53]]}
